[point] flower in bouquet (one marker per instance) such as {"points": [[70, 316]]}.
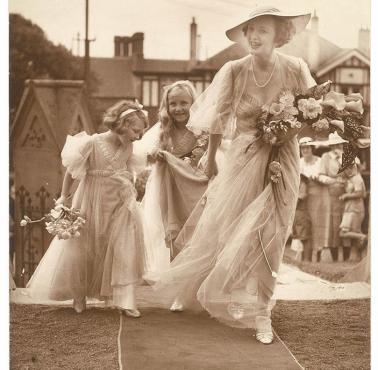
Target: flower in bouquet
{"points": [[287, 98], [276, 109], [293, 122], [310, 108], [321, 125], [344, 113], [335, 100]]}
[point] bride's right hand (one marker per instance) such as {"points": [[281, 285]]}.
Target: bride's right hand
{"points": [[211, 169]]}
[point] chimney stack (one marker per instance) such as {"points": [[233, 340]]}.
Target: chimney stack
{"points": [[315, 23], [364, 40], [137, 42], [193, 40], [125, 46]]}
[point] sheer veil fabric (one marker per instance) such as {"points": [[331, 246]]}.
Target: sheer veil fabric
{"points": [[173, 189], [222, 266]]}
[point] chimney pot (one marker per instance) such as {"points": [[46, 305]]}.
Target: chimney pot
{"points": [[193, 40]]}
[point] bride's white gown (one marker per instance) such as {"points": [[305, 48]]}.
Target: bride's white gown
{"points": [[222, 265]]}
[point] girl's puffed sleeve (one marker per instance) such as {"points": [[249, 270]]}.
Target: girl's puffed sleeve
{"points": [[75, 154], [211, 112]]}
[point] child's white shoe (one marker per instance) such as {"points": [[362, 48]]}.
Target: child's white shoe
{"points": [[79, 305]]}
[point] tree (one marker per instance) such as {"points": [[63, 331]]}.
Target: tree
{"points": [[32, 55]]}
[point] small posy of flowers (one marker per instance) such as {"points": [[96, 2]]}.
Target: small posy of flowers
{"points": [[198, 151], [275, 171], [61, 221], [141, 182]]}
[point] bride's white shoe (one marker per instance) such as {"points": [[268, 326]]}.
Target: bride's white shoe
{"points": [[265, 338], [79, 305], [177, 307], [135, 313]]}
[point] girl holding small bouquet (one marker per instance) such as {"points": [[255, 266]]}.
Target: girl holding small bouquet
{"points": [[105, 260], [176, 182]]}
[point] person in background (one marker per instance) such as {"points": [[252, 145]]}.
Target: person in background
{"points": [[317, 200], [328, 174], [353, 239], [301, 235]]}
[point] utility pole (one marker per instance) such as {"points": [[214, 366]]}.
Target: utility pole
{"points": [[78, 43], [86, 43]]}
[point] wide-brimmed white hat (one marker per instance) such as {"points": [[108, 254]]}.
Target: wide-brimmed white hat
{"points": [[299, 21], [334, 138], [306, 141]]}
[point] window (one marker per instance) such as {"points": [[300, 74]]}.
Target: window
{"points": [[154, 93], [150, 93], [146, 93], [349, 89]]}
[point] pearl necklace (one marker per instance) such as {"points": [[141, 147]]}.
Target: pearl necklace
{"points": [[269, 78]]}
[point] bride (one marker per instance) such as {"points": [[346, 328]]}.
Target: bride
{"points": [[229, 263]]}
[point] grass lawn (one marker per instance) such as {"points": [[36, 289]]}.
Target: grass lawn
{"points": [[58, 338], [326, 334], [331, 271], [322, 335]]}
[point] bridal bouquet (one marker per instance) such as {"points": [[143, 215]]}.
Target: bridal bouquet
{"points": [[61, 221], [322, 110]]}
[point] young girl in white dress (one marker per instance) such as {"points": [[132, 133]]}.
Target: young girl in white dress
{"points": [[176, 183], [107, 260]]}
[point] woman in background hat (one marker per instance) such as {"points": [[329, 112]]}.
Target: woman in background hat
{"points": [[330, 165], [230, 261], [317, 200]]}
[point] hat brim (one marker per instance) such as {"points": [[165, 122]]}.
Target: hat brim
{"points": [[328, 143], [309, 143], [335, 142], [299, 21]]}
